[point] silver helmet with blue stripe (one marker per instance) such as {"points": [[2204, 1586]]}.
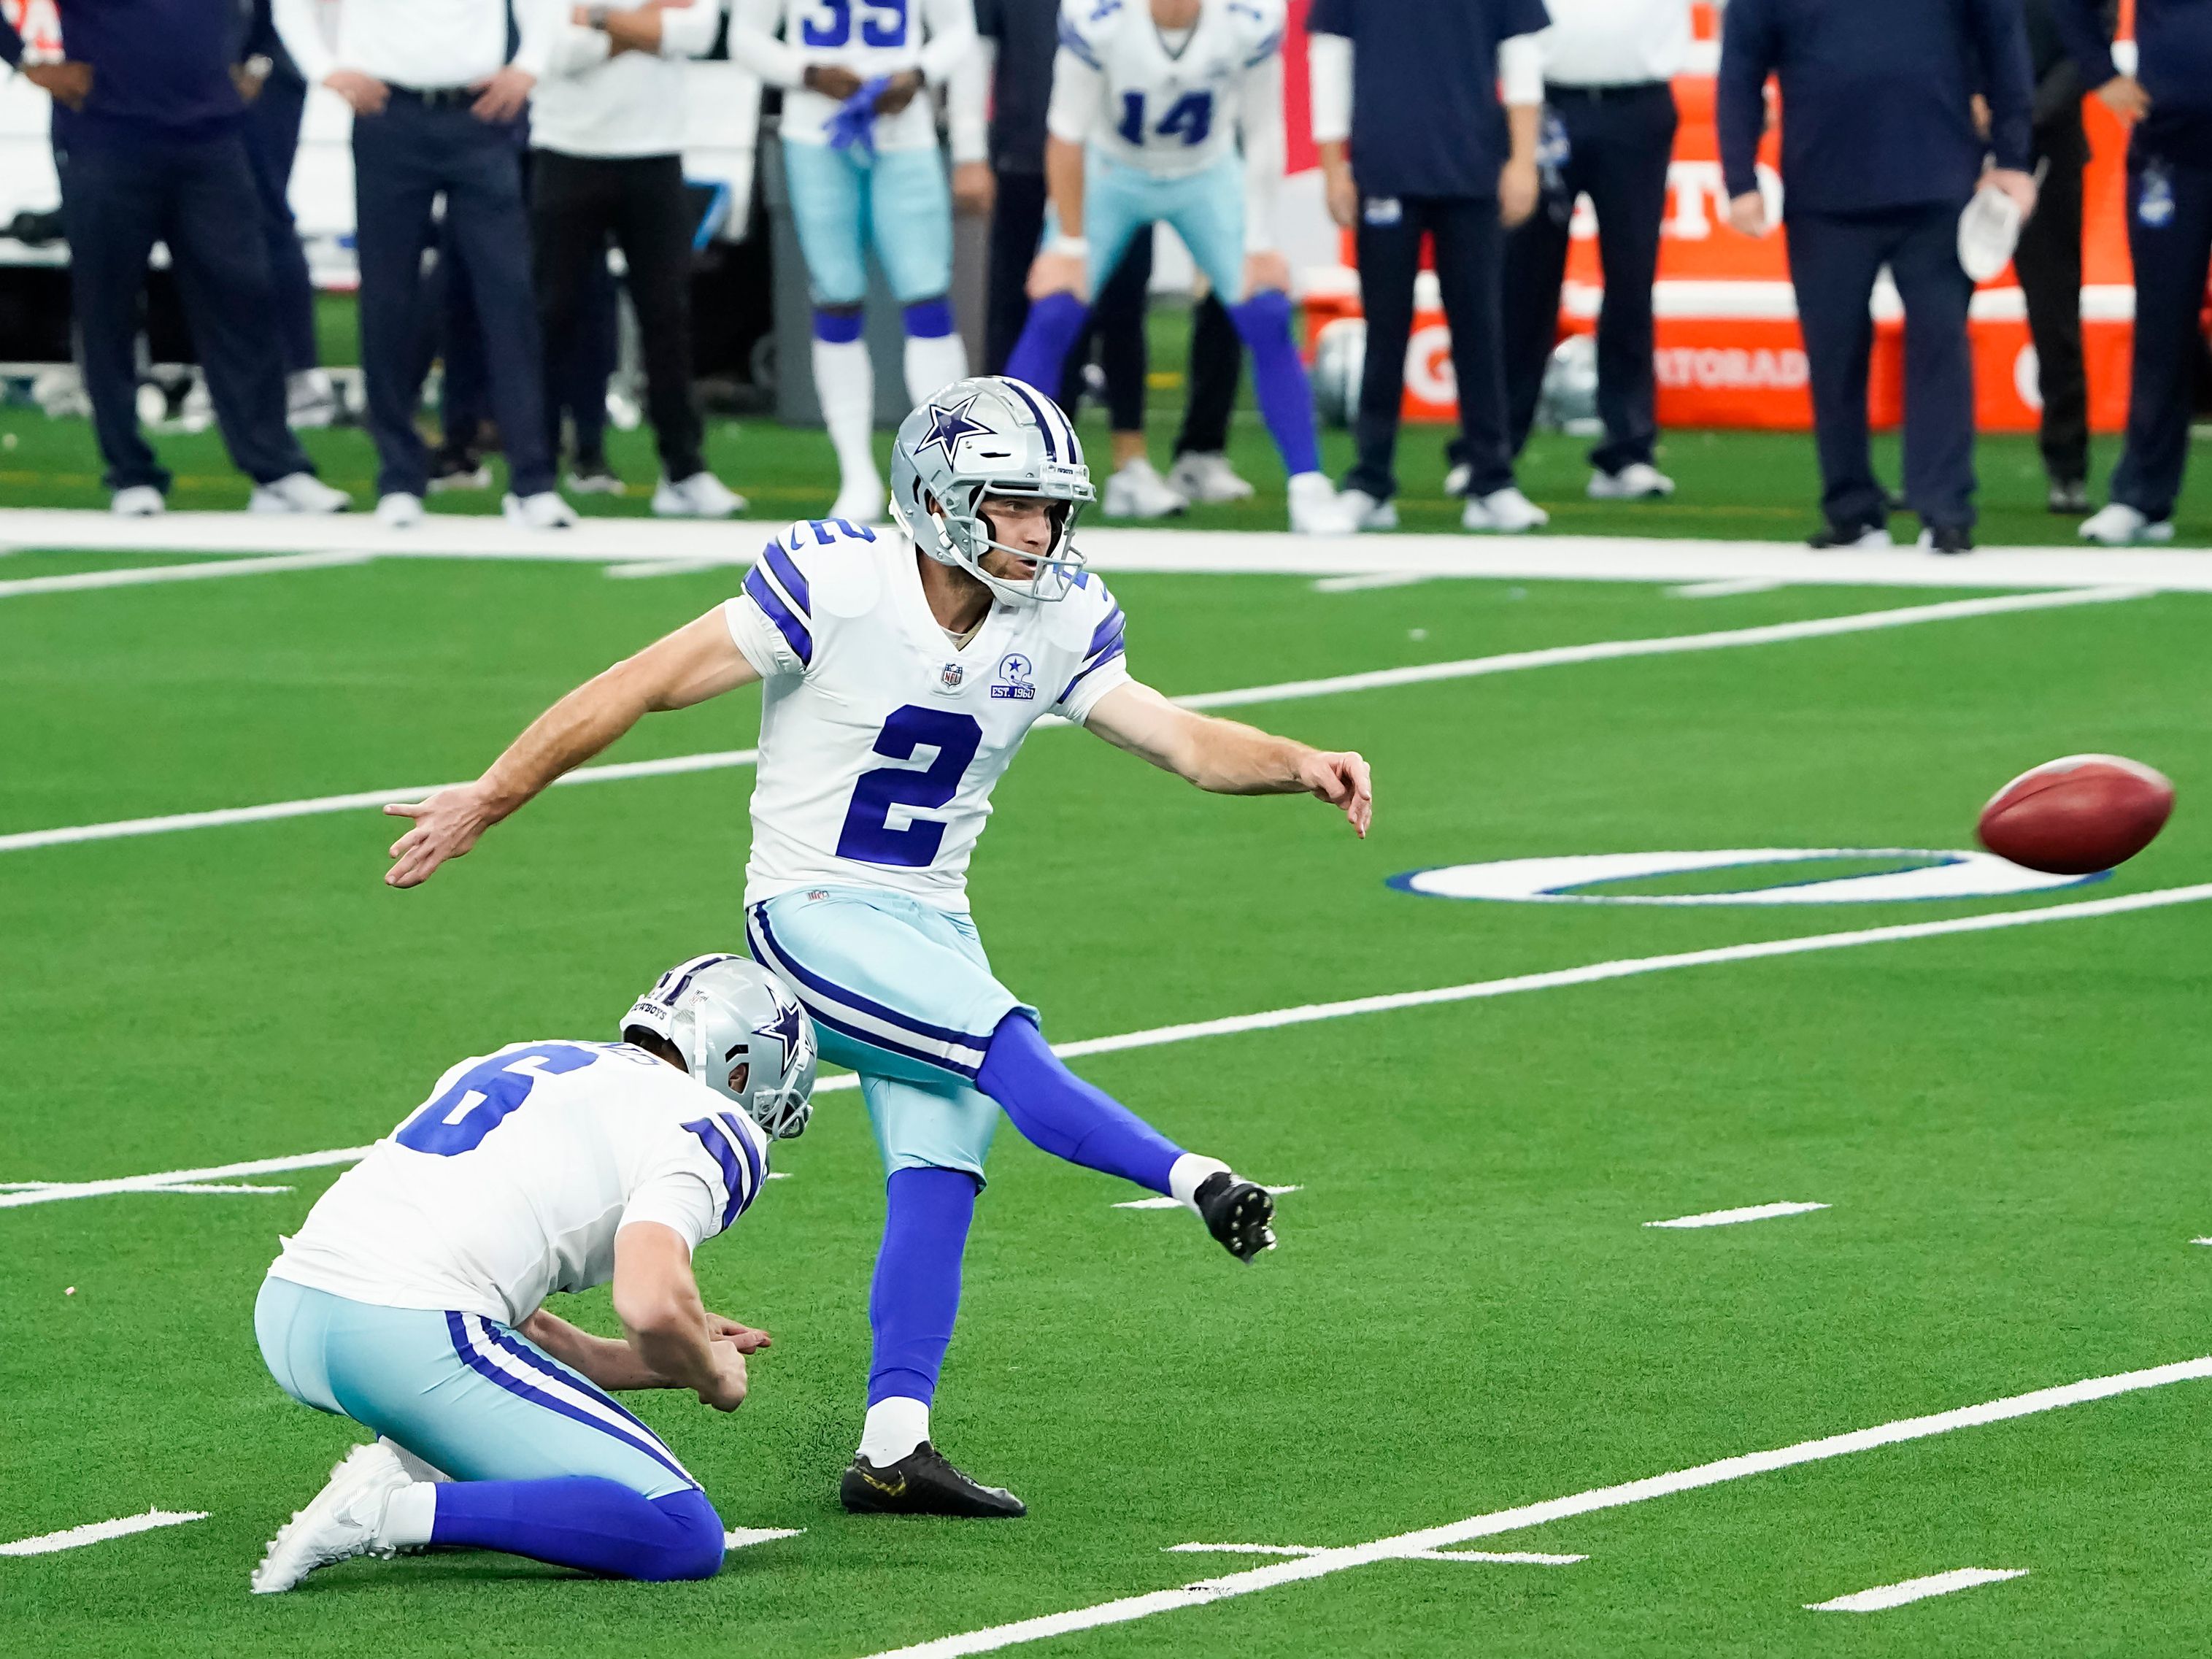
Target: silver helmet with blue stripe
{"points": [[739, 1030], [991, 435]]}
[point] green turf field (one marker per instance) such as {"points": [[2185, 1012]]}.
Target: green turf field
{"points": [[1466, 1313]]}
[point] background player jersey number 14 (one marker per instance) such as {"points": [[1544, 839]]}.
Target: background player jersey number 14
{"points": [[869, 836], [829, 23]]}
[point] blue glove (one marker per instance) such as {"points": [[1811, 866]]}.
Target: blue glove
{"points": [[854, 123]]}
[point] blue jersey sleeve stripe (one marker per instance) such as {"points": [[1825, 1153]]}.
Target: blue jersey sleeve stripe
{"points": [[1071, 38], [787, 573], [1107, 632], [717, 1143], [1266, 49], [1089, 670], [744, 1143], [773, 607]]}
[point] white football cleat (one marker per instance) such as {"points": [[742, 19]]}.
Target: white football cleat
{"points": [[861, 501], [1136, 491], [344, 1520], [544, 511], [399, 510], [298, 492], [1639, 480], [702, 495], [2117, 525], [416, 1468], [1317, 510], [1457, 478], [138, 502], [1369, 512], [1207, 479], [1504, 511], [310, 399]]}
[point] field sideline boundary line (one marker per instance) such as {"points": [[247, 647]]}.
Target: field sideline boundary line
{"points": [[1413, 1545], [1304, 1014], [1857, 622]]}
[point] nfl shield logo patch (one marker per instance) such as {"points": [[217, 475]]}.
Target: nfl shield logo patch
{"points": [[950, 676]]}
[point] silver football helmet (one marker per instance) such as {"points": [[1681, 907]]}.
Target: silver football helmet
{"points": [[990, 435], [741, 1032]]}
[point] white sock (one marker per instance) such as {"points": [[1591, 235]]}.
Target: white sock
{"points": [[845, 382], [895, 1427], [933, 364], [1190, 1172], [409, 1514]]}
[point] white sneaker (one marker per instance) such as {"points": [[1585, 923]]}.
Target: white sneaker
{"points": [[298, 492], [1504, 511], [342, 1521], [702, 495], [2117, 525], [1317, 510], [1136, 491], [1457, 478], [1369, 513], [139, 501], [399, 510], [544, 511], [861, 501], [310, 399], [1207, 479], [1639, 480]]}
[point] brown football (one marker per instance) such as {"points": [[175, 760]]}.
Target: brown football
{"points": [[2072, 817]]}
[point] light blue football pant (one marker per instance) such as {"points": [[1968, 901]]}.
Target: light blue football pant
{"points": [[463, 1393], [1207, 209], [898, 200], [902, 993]]}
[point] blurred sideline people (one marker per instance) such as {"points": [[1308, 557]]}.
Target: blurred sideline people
{"points": [[607, 141], [1152, 101], [148, 111], [277, 99], [2169, 235], [864, 167], [1880, 156], [1609, 72], [435, 103], [1018, 41], [2049, 259], [1412, 88]]}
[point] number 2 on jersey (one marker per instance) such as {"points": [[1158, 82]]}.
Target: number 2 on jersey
{"points": [[830, 23], [457, 1121], [1190, 117], [867, 836]]}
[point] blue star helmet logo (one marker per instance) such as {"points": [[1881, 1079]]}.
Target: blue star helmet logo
{"points": [[784, 1029], [947, 427]]}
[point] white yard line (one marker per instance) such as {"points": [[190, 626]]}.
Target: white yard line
{"points": [[648, 567], [99, 1532], [1295, 1570], [1722, 590], [739, 1537], [1729, 1218], [1177, 1204], [1884, 1596], [1372, 578], [1306, 1013], [1505, 1558], [1292, 691], [142, 575]]}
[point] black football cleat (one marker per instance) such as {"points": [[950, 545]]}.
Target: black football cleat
{"points": [[923, 1483], [1236, 1213], [1953, 539]]}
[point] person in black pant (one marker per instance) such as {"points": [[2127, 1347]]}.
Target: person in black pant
{"points": [[277, 99], [146, 140], [1024, 34], [2169, 236], [1410, 85], [1879, 156]]}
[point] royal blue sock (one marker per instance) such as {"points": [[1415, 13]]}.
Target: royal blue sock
{"points": [[929, 319], [1279, 377], [1058, 1111], [915, 1296], [581, 1521], [1039, 354], [838, 327]]}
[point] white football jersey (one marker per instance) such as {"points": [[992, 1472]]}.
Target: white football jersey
{"points": [[881, 740], [1169, 113], [511, 1180], [868, 37]]}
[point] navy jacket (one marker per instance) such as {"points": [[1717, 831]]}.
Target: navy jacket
{"points": [[2173, 47], [1876, 97], [160, 70]]}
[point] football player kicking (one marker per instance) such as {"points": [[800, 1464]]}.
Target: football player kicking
{"points": [[901, 674], [410, 1300], [1151, 103]]}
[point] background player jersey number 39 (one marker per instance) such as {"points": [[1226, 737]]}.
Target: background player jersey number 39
{"points": [[830, 24]]}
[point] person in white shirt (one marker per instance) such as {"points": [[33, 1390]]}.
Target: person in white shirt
{"points": [[606, 131], [412, 1298], [435, 106], [1609, 72], [864, 172]]}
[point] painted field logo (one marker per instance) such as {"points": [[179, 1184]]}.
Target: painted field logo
{"points": [[1864, 875]]}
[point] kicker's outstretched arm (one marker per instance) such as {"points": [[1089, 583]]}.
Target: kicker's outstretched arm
{"points": [[697, 661], [1228, 758]]}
